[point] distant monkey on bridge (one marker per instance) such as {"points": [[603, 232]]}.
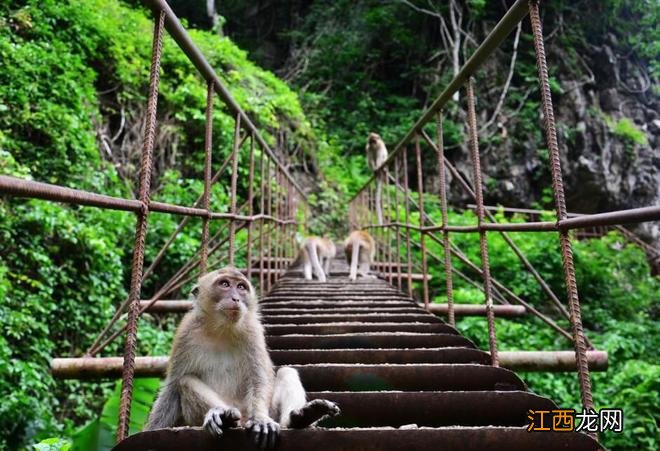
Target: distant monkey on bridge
{"points": [[220, 374], [315, 254], [376, 156], [360, 250]]}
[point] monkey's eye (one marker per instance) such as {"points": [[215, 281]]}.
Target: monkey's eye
{"points": [[241, 286], [224, 283]]}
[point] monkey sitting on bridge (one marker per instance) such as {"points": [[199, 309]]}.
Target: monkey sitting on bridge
{"points": [[220, 374]]}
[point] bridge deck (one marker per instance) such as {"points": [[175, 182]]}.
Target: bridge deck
{"points": [[403, 378]]}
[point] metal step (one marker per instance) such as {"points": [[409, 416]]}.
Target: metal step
{"points": [[414, 377], [379, 356], [368, 439], [336, 296], [327, 304], [357, 327], [366, 341], [363, 318], [276, 311], [434, 409]]}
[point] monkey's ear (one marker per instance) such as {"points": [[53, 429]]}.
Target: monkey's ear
{"points": [[194, 291]]}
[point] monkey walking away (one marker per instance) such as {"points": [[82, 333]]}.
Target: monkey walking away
{"points": [[316, 253], [360, 250], [220, 374], [376, 156]]}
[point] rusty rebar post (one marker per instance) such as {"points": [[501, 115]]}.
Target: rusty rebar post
{"points": [[288, 198], [398, 228], [234, 179], [278, 227], [248, 256], [206, 199], [422, 235], [406, 201], [262, 202], [445, 233], [483, 240], [388, 215], [560, 205], [269, 206], [128, 369]]}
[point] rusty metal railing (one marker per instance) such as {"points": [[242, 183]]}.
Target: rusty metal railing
{"points": [[281, 204], [399, 232]]}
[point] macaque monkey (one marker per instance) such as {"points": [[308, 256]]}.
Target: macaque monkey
{"points": [[316, 254], [376, 156], [376, 151], [220, 374], [360, 249]]}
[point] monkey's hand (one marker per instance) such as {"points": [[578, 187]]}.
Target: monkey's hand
{"points": [[219, 418], [264, 431]]}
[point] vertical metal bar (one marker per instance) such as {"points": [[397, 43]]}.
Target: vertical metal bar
{"points": [[445, 233], [262, 201], [388, 215], [560, 205], [269, 204], [234, 178], [128, 370], [478, 190], [278, 227], [422, 235], [407, 207], [288, 195], [398, 229], [250, 209], [206, 198]]}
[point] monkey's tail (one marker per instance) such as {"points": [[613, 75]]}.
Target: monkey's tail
{"points": [[355, 254], [314, 257], [166, 411]]}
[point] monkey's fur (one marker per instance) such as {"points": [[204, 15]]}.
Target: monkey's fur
{"points": [[316, 253], [360, 249], [376, 156], [376, 151], [220, 374]]}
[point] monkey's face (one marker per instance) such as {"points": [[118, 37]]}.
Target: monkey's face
{"points": [[373, 138], [226, 293]]}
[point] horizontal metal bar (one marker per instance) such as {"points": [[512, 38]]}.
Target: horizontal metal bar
{"points": [[503, 28], [507, 311], [110, 367], [520, 210], [500, 227], [194, 54], [37, 190], [394, 225], [634, 215], [630, 216]]}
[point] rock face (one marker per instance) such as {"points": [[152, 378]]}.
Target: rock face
{"points": [[608, 129]]}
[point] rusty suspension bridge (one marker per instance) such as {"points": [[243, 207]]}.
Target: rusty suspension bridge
{"points": [[275, 209]]}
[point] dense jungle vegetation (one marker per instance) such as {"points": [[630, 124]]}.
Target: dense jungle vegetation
{"points": [[73, 78]]}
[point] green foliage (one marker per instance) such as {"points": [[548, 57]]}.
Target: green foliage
{"points": [[53, 444], [627, 130], [100, 434], [67, 67]]}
